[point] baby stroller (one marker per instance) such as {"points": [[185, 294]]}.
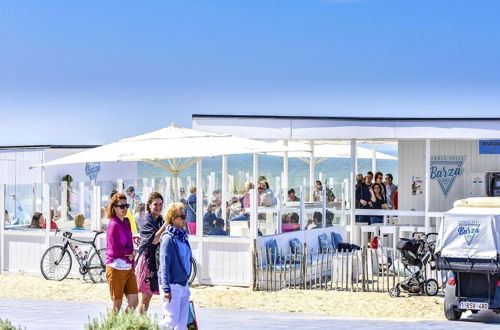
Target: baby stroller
{"points": [[417, 252]]}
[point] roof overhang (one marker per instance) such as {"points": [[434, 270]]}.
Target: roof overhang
{"points": [[345, 128]]}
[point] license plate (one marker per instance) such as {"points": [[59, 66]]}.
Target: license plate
{"points": [[473, 305]]}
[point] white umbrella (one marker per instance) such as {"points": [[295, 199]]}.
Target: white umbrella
{"points": [[172, 143], [324, 150]]}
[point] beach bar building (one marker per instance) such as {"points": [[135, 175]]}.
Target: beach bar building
{"points": [[439, 161]]}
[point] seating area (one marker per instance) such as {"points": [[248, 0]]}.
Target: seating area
{"points": [[304, 257]]}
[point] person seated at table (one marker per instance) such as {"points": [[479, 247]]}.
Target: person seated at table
{"points": [[35, 220], [266, 196], [294, 219], [376, 202], [209, 217], [8, 218], [315, 222], [79, 220], [233, 208], [329, 218], [292, 197], [43, 223], [286, 225], [318, 191], [218, 229]]}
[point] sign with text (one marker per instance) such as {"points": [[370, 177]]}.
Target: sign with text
{"points": [[92, 170], [489, 147], [445, 169]]}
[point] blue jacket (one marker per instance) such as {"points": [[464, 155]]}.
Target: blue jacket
{"points": [[172, 269], [191, 208]]}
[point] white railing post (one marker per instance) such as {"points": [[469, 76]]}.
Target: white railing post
{"points": [[46, 210], [253, 214], [119, 185], [224, 196], [168, 191], [199, 200], [2, 227], [96, 208], [279, 204], [81, 191], [64, 204], [323, 206], [302, 207], [344, 201], [427, 189]]}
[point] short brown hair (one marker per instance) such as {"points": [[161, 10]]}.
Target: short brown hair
{"points": [[110, 211], [172, 210], [79, 220], [152, 197]]}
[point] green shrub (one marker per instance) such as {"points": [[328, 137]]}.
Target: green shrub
{"points": [[123, 321], [7, 325]]}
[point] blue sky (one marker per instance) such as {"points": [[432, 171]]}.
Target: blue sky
{"points": [[90, 72]]}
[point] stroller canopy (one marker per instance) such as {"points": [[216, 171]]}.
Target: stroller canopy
{"points": [[470, 232]]}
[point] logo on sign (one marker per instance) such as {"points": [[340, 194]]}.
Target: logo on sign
{"points": [[469, 229], [445, 169], [92, 169]]}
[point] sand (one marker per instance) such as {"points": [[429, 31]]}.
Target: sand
{"points": [[348, 304]]}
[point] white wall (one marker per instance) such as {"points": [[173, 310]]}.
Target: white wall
{"points": [[109, 170], [15, 164], [411, 163]]}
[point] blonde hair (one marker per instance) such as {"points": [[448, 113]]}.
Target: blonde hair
{"points": [[172, 211], [192, 189], [79, 220], [113, 201]]}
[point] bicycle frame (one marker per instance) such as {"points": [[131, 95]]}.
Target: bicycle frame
{"points": [[68, 241]]}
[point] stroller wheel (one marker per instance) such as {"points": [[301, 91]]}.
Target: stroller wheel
{"points": [[395, 292], [431, 287]]}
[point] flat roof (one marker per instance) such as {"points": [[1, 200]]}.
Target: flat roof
{"points": [[272, 127], [51, 146], [347, 118]]}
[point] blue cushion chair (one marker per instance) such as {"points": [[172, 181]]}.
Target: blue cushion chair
{"points": [[324, 243]]}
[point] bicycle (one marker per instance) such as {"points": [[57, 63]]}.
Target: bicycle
{"points": [[56, 261]]}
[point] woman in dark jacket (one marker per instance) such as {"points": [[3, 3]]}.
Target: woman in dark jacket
{"points": [[151, 231]]}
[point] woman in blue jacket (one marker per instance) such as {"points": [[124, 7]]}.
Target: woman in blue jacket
{"points": [[175, 268]]}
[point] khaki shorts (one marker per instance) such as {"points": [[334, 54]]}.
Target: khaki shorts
{"points": [[121, 282]]}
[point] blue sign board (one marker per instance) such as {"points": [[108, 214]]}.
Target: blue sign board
{"points": [[489, 147]]}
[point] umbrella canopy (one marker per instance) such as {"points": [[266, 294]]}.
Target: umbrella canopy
{"points": [[330, 150], [171, 142]]}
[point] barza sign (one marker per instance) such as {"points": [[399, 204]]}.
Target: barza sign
{"points": [[469, 229], [445, 169], [92, 169]]}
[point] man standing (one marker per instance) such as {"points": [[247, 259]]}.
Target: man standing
{"points": [[363, 196], [390, 189]]}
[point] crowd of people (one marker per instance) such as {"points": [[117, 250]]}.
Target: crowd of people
{"points": [[375, 193]]}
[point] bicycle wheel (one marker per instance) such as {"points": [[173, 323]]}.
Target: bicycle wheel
{"points": [[55, 263], [193, 271], [97, 266]]}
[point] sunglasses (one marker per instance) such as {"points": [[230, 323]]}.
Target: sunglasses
{"points": [[123, 206], [182, 216]]}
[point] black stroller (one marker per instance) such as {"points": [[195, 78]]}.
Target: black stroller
{"points": [[418, 252]]}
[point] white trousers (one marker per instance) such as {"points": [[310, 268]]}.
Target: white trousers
{"points": [[177, 310]]}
